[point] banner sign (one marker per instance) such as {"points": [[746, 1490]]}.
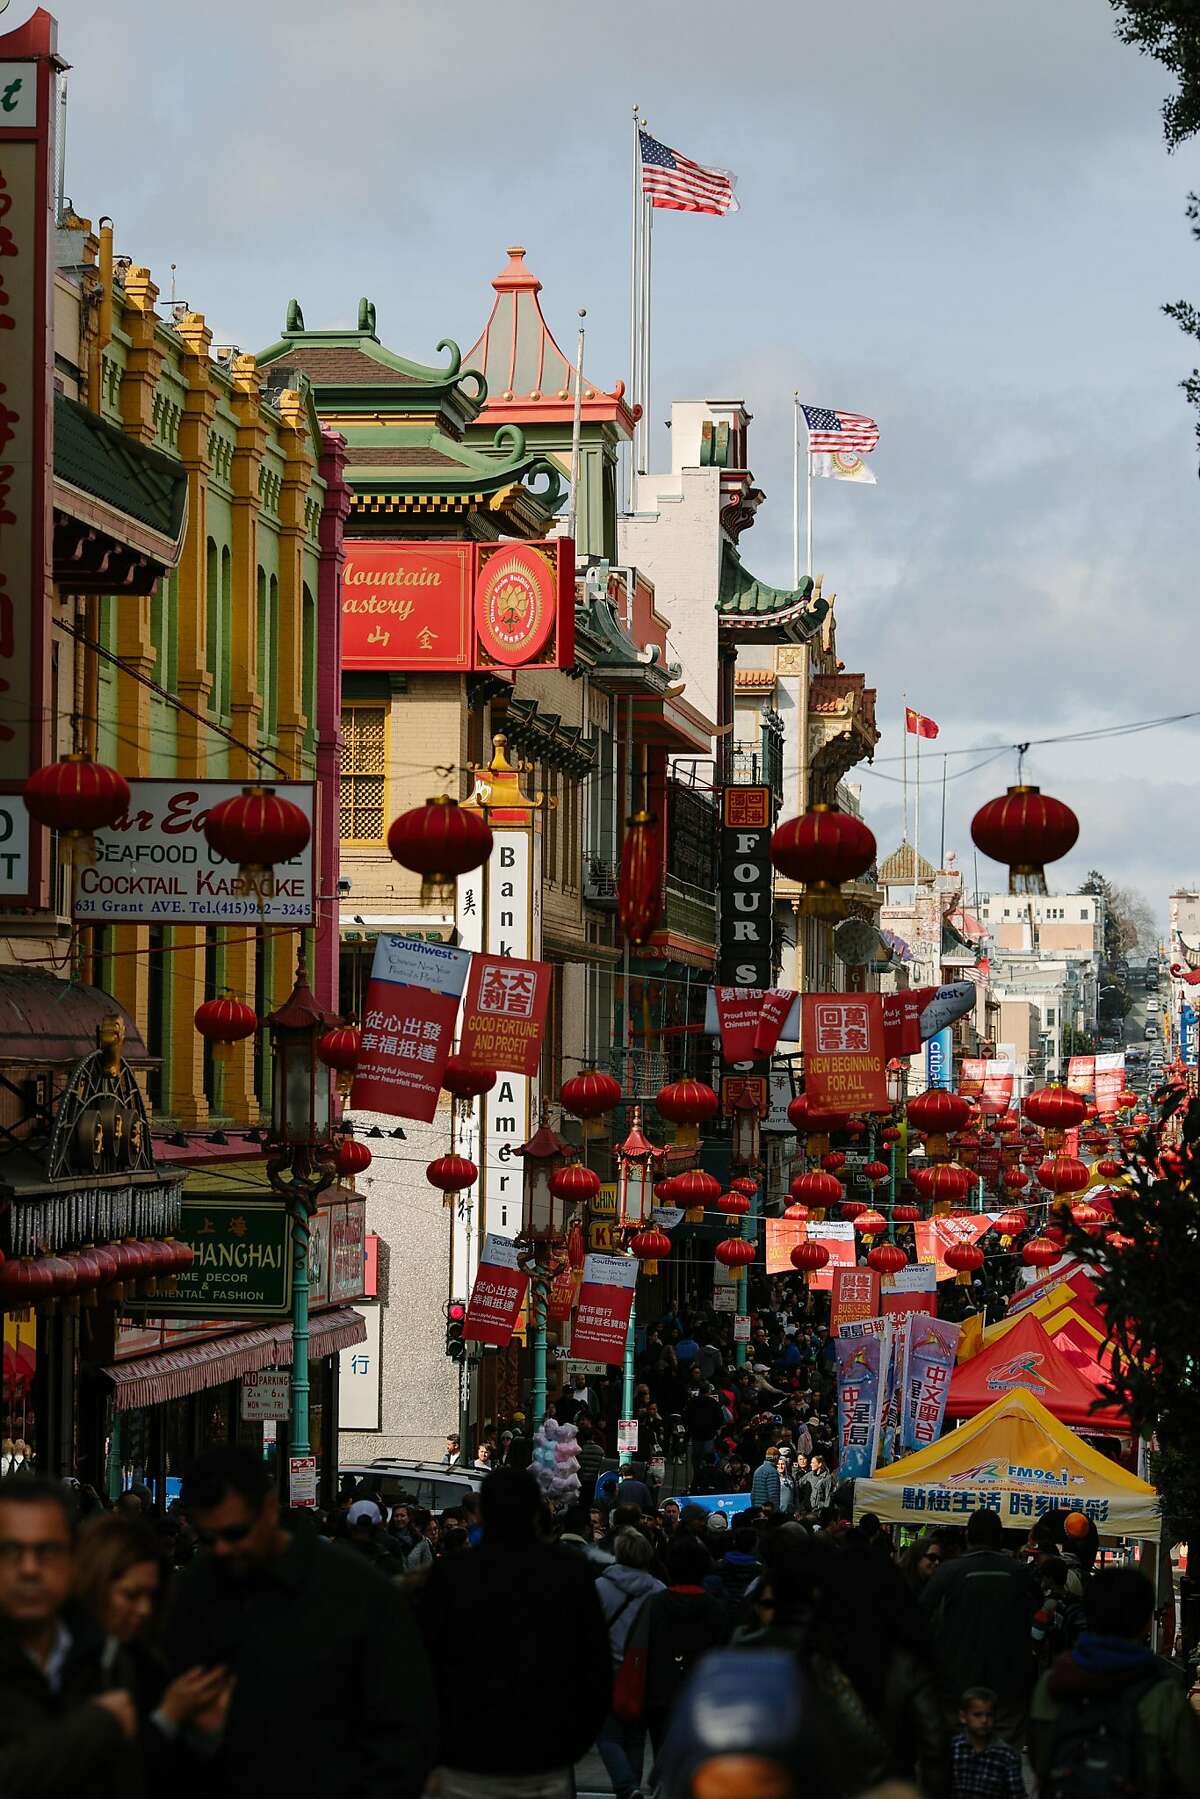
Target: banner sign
{"points": [[746, 956], [845, 1068], [783, 1234], [930, 1348], [913, 1289], [605, 1302], [935, 1235], [561, 1297], [780, 1017], [892, 1387], [902, 1021], [498, 1294], [738, 1011], [408, 1027], [1081, 1074], [989, 1083], [504, 1013], [154, 866], [1189, 1038], [1110, 1081], [948, 1003], [855, 1295], [859, 1397], [939, 1059]]}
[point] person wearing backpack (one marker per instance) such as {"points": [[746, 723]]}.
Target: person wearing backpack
{"points": [[624, 1590], [1109, 1719]]}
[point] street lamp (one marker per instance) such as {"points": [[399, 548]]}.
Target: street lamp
{"points": [[543, 1231], [299, 1159], [637, 1161]]}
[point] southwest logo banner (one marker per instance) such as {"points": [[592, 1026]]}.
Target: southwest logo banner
{"points": [[504, 1013], [408, 1027], [497, 1296], [845, 1065], [602, 1312], [913, 1289], [859, 1396], [931, 1345]]}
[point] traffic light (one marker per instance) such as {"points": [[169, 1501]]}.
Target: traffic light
{"points": [[456, 1318]]}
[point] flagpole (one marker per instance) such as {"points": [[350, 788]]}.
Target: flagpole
{"points": [[942, 857], [647, 249], [808, 516], [577, 433], [904, 757], [916, 811], [796, 489], [634, 299]]}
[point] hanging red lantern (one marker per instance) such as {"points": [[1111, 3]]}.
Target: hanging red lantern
{"points": [[1025, 828], [450, 1175], [817, 1189], [1141, 1120], [1012, 1224], [640, 880], [964, 1258], [588, 1095], [1110, 1168], [906, 1214], [574, 1184], [687, 1103], [1063, 1174], [1087, 1217], [1006, 1123], [809, 1258], [693, 1190], [663, 1190], [224, 1022], [853, 1209], [797, 1114], [440, 841], [870, 1223], [339, 1049], [352, 1157], [76, 797], [1030, 1157], [734, 1205], [1126, 1100], [937, 1112], [823, 848], [743, 1183], [24, 1282], [464, 1080], [89, 1273], [854, 1129], [832, 1162], [941, 1183], [1015, 1180], [796, 1212], [1055, 1108], [256, 829], [651, 1247], [887, 1258], [876, 1172], [890, 1134], [1040, 1252], [735, 1253]]}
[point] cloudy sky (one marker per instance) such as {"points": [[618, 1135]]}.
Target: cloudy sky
{"points": [[959, 218]]}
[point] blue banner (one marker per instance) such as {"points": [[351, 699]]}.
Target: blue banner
{"points": [[859, 1397], [939, 1059], [929, 1355], [1189, 1036]]}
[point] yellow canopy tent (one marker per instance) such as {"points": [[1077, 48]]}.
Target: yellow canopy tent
{"points": [[1017, 1460]]}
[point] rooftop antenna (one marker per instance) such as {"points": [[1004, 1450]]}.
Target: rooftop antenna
{"points": [[172, 284]]}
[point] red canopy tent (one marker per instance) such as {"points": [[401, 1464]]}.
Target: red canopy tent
{"points": [[1026, 1356]]}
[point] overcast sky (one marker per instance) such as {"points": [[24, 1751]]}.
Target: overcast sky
{"points": [[959, 218]]}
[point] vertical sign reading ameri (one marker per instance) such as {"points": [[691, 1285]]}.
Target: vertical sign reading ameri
{"points": [[27, 67]]}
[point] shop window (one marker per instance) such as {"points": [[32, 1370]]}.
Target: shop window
{"points": [[363, 790]]}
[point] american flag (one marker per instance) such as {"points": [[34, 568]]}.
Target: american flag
{"points": [[829, 430], [672, 180]]}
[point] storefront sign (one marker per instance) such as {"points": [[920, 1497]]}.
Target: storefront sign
{"points": [[844, 1061], [525, 604], [504, 1013], [498, 1294], [26, 399], [746, 951], [512, 927], [408, 1027], [855, 1295], [154, 865], [360, 1377], [347, 1251], [243, 1265], [602, 1314], [266, 1393]]}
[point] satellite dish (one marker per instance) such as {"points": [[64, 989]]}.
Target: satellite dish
{"points": [[856, 942]]}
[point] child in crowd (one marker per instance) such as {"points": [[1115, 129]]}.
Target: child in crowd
{"points": [[983, 1768]]}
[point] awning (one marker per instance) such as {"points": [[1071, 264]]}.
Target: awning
{"points": [[45, 1021], [148, 1380]]}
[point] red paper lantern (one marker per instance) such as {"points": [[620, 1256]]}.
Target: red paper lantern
{"points": [[796, 1211], [575, 1184], [1012, 1224], [1015, 1179], [797, 1114], [875, 1172], [352, 1156], [817, 1189], [964, 1258], [1087, 1217], [887, 1258], [589, 1094], [743, 1183], [25, 1282], [938, 1112], [734, 1205], [451, 1174], [890, 1134], [440, 841], [1063, 1174], [1055, 1108], [853, 1209], [823, 848], [222, 1022], [1007, 1122], [640, 881], [809, 1257], [1040, 1252], [664, 1189], [1110, 1168], [833, 1161], [339, 1048], [1126, 1100], [651, 1247], [906, 1214], [941, 1183], [687, 1101], [735, 1253], [870, 1223], [465, 1081], [76, 796], [694, 1189], [1026, 829], [256, 829]]}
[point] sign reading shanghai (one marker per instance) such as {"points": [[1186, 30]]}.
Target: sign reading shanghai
{"points": [[408, 1027], [154, 866], [504, 1013], [844, 1063]]}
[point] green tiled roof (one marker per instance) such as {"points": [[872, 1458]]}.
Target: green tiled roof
{"points": [[744, 598], [98, 459]]}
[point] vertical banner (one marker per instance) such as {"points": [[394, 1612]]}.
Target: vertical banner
{"points": [[780, 1017], [408, 1027], [891, 1387], [747, 908], [845, 1068], [859, 1392], [855, 1295], [602, 1313], [913, 1289], [497, 1296], [738, 1010], [504, 1013], [902, 1021], [1189, 1037], [512, 928], [997, 1093], [939, 1059], [1110, 1081], [1081, 1074], [928, 1365]]}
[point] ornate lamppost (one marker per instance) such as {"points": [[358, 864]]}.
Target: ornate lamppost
{"points": [[544, 1220], [637, 1162]]}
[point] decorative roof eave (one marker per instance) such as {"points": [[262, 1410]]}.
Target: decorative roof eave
{"points": [[544, 736], [751, 607]]}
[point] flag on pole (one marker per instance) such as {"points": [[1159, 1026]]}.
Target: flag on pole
{"points": [[829, 430], [918, 724], [843, 465], [674, 181]]}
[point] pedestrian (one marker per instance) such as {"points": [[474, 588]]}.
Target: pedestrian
{"points": [[1109, 1716], [684, 1623], [580, 1401], [66, 1727], [591, 1458], [632, 1489], [451, 1457], [738, 1568], [419, 1559], [980, 1611], [921, 1561], [820, 1483], [332, 1691], [668, 1517], [702, 1419], [400, 1528], [624, 1591], [765, 1487], [578, 1535], [527, 1612], [366, 1536], [981, 1766]]}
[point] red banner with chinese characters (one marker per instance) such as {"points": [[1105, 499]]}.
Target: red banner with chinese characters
{"points": [[497, 1296], [902, 1021], [409, 1016], [855, 1295], [563, 1289], [783, 1234], [777, 1002], [504, 1013], [602, 1313], [1110, 1084], [738, 1012], [407, 605], [845, 1066], [935, 1235], [990, 1084]]}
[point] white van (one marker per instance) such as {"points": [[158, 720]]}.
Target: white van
{"points": [[429, 1484]]}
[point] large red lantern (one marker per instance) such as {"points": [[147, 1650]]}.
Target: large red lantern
{"points": [[823, 848], [1109, 1168], [938, 1112], [256, 829], [744, 1183], [574, 1184], [339, 1049], [687, 1103], [640, 880], [964, 1258], [853, 1209], [876, 1172], [808, 1258], [352, 1156], [1026, 829], [1015, 1180], [1063, 1174], [870, 1223], [589, 1094], [440, 841], [693, 1190], [734, 1205], [735, 1253], [450, 1175], [224, 1022], [941, 1183], [465, 1080], [817, 1189], [75, 797], [834, 1161], [906, 1214], [651, 1247], [887, 1258], [1040, 1252], [890, 1134], [1011, 1224], [1055, 1108], [796, 1212]]}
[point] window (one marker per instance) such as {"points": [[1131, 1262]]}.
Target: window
{"points": [[1049, 1015], [364, 773]]}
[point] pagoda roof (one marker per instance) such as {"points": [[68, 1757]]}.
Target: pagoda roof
{"points": [[746, 604], [529, 380], [904, 868]]}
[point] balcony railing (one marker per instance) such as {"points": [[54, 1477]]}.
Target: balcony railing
{"points": [[640, 1072]]}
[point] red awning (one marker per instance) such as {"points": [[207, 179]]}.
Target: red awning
{"points": [[147, 1380], [1027, 1357]]}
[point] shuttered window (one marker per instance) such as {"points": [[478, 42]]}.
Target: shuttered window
{"points": [[364, 773]]}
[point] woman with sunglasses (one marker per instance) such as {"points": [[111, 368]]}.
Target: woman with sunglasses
{"points": [[921, 1561]]}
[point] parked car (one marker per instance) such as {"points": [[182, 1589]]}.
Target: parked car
{"points": [[430, 1484]]}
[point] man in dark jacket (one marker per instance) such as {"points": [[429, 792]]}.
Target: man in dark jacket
{"points": [[980, 1609], [333, 1693], [682, 1624], [526, 1614], [702, 1419], [63, 1730], [1112, 1679], [737, 1569]]}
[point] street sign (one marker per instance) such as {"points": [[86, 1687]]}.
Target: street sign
{"points": [[302, 1482], [724, 1299], [741, 1328], [627, 1436], [266, 1393]]}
